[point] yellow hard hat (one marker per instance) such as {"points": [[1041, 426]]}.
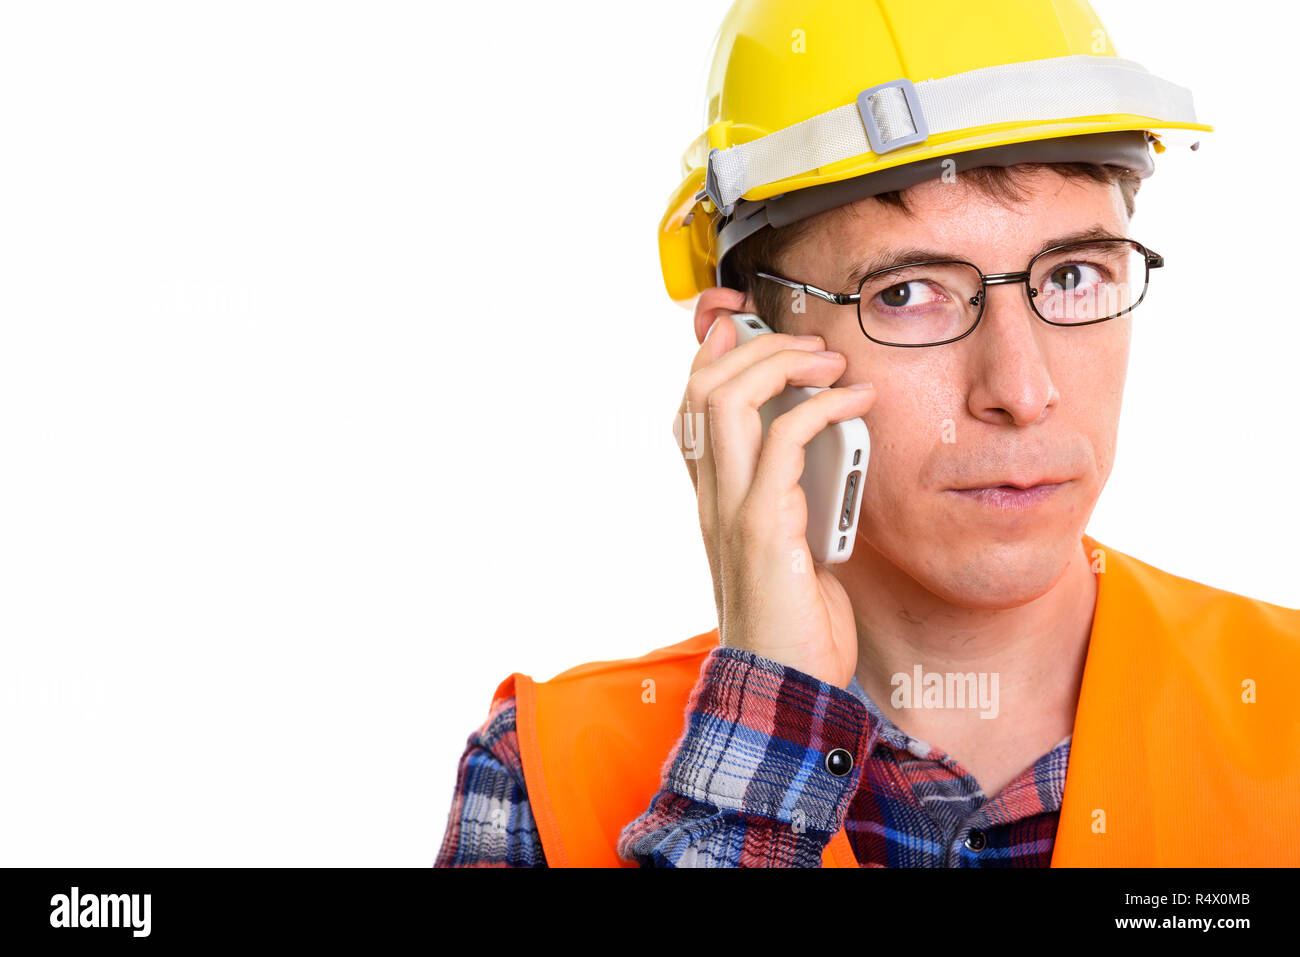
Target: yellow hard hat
{"points": [[815, 104]]}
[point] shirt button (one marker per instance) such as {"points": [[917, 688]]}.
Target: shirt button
{"points": [[975, 840], [839, 762]]}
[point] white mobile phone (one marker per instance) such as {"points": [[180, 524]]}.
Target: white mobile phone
{"points": [[835, 463]]}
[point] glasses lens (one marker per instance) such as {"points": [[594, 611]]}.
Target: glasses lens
{"points": [[920, 305], [1088, 282]]}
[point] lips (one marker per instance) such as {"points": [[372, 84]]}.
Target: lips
{"points": [[1010, 483], [1010, 497]]}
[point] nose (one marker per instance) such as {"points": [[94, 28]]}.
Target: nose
{"points": [[1011, 383]]}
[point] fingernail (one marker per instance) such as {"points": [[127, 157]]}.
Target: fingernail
{"points": [[861, 385], [807, 337], [835, 355], [711, 328]]}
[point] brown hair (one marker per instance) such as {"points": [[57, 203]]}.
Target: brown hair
{"points": [[763, 250]]}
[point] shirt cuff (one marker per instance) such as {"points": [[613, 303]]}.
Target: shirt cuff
{"points": [[757, 738]]}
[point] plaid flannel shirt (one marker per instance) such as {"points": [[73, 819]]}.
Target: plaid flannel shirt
{"points": [[745, 787]]}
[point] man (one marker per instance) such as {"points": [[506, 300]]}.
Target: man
{"points": [[981, 683]]}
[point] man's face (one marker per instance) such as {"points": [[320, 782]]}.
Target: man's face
{"points": [[1016, 401]]}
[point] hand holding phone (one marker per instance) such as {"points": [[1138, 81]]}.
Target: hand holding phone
{"points": [[756, 405], [834, 464]]}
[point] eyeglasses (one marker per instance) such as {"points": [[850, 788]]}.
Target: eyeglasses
{"points": [[939, 301]]}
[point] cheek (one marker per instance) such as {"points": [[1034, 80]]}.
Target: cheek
{"points": [[1093, 390], [915, 412], [1102, 427], [906, 428]]}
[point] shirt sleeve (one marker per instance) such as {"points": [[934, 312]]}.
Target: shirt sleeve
{"points": [[747, 784], [491, 823]]}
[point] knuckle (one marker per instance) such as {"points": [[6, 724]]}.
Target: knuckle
{"points": [[782, 429], [720, 400], [696, 390]]}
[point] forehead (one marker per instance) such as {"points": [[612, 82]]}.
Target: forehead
{"points": [[959, 218]]}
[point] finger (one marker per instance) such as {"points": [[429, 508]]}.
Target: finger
{"points": [[698, 389], [719, 340], [735, 426], [691, 429], [781, 460], [713, 366]]}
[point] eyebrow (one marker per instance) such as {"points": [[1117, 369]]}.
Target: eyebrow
{"points": [[896, 256]]}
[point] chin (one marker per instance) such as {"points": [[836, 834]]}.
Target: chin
{"points": [[993, 572]]}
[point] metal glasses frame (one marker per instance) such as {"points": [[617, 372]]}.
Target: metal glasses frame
{"points": [[1152, 260]]}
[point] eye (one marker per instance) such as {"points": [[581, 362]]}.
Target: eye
{"points": [[1069, 277], [912, 293]]}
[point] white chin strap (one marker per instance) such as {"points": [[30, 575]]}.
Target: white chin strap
{"points": [[901, 113]]}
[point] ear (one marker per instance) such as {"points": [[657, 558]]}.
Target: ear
{"points": [[718, 301]]}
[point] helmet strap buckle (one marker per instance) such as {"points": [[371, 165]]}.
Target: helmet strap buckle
{"points": [[888, 106]]}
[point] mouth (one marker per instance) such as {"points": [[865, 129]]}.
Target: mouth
{"points": [[1011, 496]]}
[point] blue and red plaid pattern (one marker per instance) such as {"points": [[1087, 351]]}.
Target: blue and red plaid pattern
{"points": [[746, 786]]}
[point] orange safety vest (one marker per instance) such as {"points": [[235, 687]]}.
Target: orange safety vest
{"points": [[1171, 763]]}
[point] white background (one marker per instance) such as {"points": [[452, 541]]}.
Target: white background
{"points": [[337, 374]]}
